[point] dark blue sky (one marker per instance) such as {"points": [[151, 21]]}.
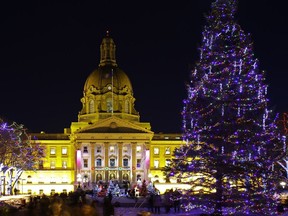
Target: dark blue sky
{"points": [[48, 49]]}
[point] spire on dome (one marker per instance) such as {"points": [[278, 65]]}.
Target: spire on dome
{"points": [[107, 51]]}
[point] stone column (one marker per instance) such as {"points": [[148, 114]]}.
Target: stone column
{"points": [[120, 161], [134, 162], [92, 163], [106, 164]]}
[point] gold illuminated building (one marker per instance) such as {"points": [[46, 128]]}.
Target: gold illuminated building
{"points": [[107, 142]]}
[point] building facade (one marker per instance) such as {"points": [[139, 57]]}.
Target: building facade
{"points": [[108, 142]]}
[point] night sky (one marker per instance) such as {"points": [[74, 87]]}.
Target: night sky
{"points": [[48, 49]]}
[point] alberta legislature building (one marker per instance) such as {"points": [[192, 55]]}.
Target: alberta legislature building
{"points": [[108, 142]]}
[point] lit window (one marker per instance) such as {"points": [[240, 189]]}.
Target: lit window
{"points": [[112, 148], [156, 164], [64, 179], [98, 162], [112, 162], [138, 149], [167, 162], [85, 149], [52, 164], [138, 163], [85, 163], [167, 151], [29, 179], [98, 149], [125, 162], [64, 150], [52, 179], [52, 192], [64, 164], [156, 151], [52, 151]]}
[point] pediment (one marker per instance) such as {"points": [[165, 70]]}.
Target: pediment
{"points": [[113, 125]]}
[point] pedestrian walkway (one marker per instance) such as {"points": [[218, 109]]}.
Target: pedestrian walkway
{"points": [[125, 206], [120, 211]]}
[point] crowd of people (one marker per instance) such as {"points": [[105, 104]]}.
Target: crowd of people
{"points": [[170, 200]]}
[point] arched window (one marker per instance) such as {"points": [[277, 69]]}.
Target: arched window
{"points": [[91, 106], [126, 107], [98, 177], [125, 177], [109, 105], [112, 176]]}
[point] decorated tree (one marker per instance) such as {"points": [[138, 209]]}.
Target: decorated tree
{"points": [[232, 140], [17, 154]]}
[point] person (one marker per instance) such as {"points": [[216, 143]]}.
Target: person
{"points": [[167, 200], [176, 200], [108, 208], [157, 201], [150, 203]]}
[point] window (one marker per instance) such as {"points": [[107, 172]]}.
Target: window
{"points": [[156, 151], [112, 148], [167, 162], [64, 179], [138, 163], [125, 162], [64, 150], [112, 162], [64, 164], [167, 151], [52, 179], [98, 162], [29, 179], [52, 151], [109, 105], [52, 164], [126, 107], [125, 149], [91, 106], [138, 149], [85, 149], [156, 164], [52, 192], [41, 179], [85, 163], [98, 149]]}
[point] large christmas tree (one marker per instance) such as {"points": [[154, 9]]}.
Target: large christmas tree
{"points": [[231, 137]]}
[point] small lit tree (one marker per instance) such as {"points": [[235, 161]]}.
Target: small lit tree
{"points": [[17, 154]]}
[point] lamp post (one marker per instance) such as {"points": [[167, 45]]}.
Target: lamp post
{"points": [[22, 185], [4, 184]]}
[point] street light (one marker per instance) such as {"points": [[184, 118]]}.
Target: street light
{"points": [[283, 184]]}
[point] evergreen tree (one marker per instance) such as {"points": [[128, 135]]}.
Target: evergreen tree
{"points": [[232, 140]]}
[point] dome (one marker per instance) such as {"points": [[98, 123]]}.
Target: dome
{"points": [[107, 90], [101, 78]]}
